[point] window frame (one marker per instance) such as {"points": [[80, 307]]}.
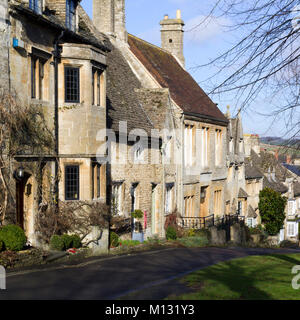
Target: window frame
{"points": [[218, 146], [97, 93], [294, 224], [71, 14], [117, 193], [205, 134], [77, 82], [36, 6], [169, 198], [77, 186], [37, 76]]}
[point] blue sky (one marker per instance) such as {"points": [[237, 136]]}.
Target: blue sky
{"points": [[201, 44]]}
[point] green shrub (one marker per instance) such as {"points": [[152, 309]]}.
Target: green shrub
{"points": [[76, 242], [13, 237], [67, 240], [271, 207], [137, 214], [57, 243], [171, 233], [1, 245], [114, 239]]}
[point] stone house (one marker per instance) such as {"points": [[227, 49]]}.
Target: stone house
{"points": [[194, 129], [48, 59], [236, 196], [170, 149], [277, 177]]}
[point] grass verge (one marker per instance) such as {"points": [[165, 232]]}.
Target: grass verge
{"points": [[252, 278]]}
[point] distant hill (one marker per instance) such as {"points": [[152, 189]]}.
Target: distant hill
{"points": [[277, 141]]}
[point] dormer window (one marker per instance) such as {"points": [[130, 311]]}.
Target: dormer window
{"points": [[71, 14], [36, 6]]}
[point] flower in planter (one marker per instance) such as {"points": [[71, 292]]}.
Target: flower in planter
{"points": [[72, 251]]}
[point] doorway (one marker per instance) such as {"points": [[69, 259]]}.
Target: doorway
{"points": [[154, 210]]}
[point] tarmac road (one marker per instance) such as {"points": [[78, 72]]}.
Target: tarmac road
{"points": [[149, 275]]}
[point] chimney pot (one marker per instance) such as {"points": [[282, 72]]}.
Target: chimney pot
{"points": [[166, 17], [178, 14]]}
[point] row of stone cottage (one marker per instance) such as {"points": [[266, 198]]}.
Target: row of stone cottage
{"points": [[171, 147]]}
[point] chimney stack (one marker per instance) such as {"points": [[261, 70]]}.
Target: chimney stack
{"points": [[109, 17], [103, 16], [172, 36]]}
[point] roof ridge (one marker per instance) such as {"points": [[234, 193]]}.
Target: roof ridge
{"points": [[151, 44]]}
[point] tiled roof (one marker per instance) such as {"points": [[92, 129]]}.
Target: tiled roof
{"points": [[294, 169], [122, 101], [184, 90]]}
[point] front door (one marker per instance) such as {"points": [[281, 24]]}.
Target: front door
{"points": [[204, 202], [20, 188], [154, 215]]}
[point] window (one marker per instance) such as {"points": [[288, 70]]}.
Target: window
{"points": [[241, 146], [240, 208], [138, 152], [168, 148], [36, 6], [218, 141], [70, 14], [169, 198], [72, 182], [117, 198], [251, 222], [37, 77], [231, 148], [292, 208], [291, 229], [218, 202], [97, 85], [72, 88], [134, 197], [205, 146], [189, 145], [189, 206]]}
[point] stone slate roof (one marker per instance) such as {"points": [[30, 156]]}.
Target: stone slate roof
{"points": [[260, 165], [251, 212], [156, 103], [275, 185], [296, 189], [252, 172], [242, 193], [184, 90], [122, 101]]}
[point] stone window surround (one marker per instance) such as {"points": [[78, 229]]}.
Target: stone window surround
{"points": [[43, 58], [218, 147]]}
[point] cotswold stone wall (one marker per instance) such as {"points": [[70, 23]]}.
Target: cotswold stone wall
{"points": [[4, 44], [145, 175]]}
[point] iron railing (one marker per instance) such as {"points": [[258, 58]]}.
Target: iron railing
{"points": [[210, 221]]}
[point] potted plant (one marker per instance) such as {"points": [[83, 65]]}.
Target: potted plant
{"points": [[138, 232]]}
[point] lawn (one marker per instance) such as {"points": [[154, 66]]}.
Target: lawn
{"points": [[256, 277]]}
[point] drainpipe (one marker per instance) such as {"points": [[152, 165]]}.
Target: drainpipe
{"points": [[56, 60]]}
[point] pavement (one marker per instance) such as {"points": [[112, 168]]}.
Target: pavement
{"points": [[144, 276]]}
